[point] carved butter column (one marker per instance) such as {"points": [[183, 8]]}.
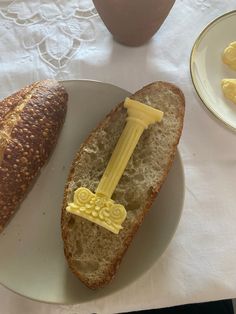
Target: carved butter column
{"points": [[99, 207]]}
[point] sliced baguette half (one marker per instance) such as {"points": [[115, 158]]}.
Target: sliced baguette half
{"points": [[94, 253]]}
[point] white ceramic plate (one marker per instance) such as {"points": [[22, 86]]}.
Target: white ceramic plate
{"points": [[207, 68], [32, 261]]}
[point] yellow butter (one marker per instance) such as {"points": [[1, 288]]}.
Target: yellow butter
{"points": [[229, 89], [108, 214], [139, 117], [229, 55], [98, 209]]}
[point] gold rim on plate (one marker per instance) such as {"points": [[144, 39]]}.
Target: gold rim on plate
{"points": [[192, 59]]}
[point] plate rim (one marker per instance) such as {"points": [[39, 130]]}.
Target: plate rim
{"points": [[193, 77], [93, 81]]}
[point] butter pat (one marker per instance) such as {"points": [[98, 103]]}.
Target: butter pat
{"points": [[99, 207], [229, 55], [229, 89]]}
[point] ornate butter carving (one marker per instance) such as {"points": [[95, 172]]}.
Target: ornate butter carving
{"points": [[98, 209]]}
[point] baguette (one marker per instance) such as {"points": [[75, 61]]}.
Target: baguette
{"points": [[94, 253], [30, 121]]}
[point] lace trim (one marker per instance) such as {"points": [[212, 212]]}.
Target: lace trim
{"points": [[55, 29], [202, 4]]}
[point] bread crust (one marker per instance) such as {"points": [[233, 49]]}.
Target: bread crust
{"points": [[112, 269], [33, 135]]}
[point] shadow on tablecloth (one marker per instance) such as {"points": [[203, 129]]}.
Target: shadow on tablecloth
{"points": [[216, 307]]}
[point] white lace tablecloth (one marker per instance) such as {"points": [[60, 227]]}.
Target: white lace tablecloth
{"points": [[67, 40]]}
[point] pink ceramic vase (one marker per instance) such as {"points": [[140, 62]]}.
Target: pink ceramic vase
{"points": [[133, 22]]}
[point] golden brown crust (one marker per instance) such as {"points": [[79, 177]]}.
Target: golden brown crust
{"points": [[111, 271], [31, 141]]}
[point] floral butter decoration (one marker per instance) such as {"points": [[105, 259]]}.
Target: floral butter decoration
{"points": [[98, 207]]}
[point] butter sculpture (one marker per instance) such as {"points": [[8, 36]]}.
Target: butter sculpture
{"points": [[229, 89], [99, 207], [229, 55]]}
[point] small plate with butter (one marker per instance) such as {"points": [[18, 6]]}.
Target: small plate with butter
{"points": [[213, 67]]}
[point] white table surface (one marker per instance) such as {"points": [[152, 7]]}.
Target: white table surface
{"points": [[39, 39]]}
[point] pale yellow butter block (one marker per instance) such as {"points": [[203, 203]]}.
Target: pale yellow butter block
{"points": [[229, 55], [229, 89]]}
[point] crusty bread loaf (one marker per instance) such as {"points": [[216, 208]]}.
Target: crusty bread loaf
{"points": [[30, 121], [94, 253]]}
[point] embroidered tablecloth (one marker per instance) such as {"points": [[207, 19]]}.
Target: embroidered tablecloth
{"points": [[67, 40]]}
